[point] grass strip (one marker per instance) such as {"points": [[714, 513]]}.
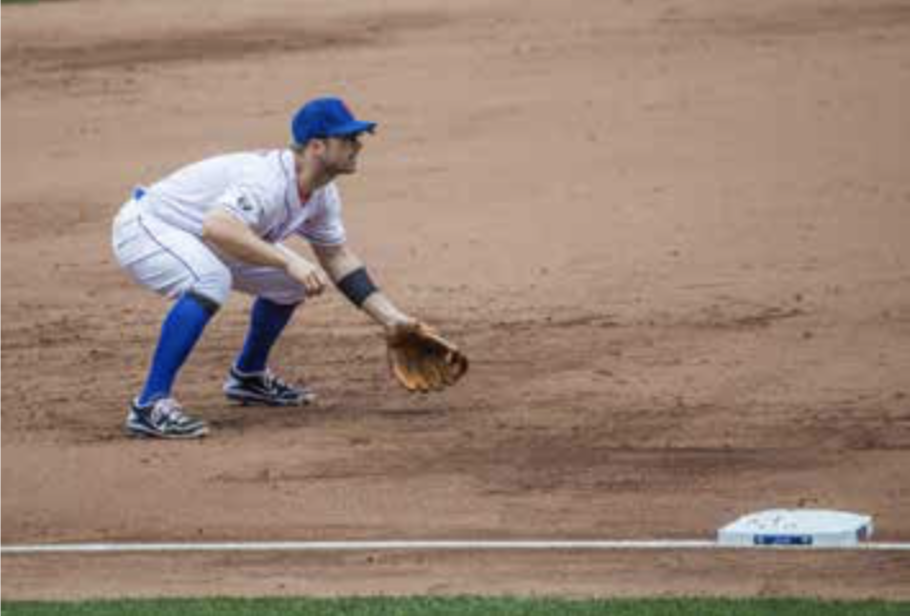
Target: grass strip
{"points": [[451, 606]]}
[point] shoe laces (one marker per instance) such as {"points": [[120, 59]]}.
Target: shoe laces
{"points": [[273, 382], [170, 410]]}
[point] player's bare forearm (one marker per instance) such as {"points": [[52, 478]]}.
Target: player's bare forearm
{"points": [[339, 262], [231, 236], [384, 312], [234, 238]]}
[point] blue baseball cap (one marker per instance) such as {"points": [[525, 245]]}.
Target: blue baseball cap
{"points": [[326, 117]]}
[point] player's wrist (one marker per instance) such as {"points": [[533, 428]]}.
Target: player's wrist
{"points": [[383, 312], [399, 324], [287, 261]]}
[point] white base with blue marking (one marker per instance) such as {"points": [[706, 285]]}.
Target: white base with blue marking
{"points": [[797, 527]]}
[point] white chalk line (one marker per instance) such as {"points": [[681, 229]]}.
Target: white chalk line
{"points": [[420, 545]]}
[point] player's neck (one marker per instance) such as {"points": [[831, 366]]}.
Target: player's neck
{"points": [[309, 178]]}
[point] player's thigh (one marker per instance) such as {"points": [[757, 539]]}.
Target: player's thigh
{"points": [[269, 282], [168, 260]]}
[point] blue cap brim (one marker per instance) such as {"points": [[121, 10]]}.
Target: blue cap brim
{"points": [[352, 128]]}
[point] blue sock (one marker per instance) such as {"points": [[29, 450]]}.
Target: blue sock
{"points": [[267, 321], [181, 329]]}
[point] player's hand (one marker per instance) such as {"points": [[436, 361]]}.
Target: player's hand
{"points": [[401, 326], [307, 274]]}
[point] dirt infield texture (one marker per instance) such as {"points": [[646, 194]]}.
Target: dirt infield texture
{"points": [[671, 234]]}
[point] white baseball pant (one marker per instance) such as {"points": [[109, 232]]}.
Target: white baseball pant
{"points": [[171, 261]]}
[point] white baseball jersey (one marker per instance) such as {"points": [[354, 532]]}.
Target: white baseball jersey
{"points": [[157, 234], [260, 188]]}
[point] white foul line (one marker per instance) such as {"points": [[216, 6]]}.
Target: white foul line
{"points": [[417, 545]]}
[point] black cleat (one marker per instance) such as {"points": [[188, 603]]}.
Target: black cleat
{"points": [[265, 388], [163, 419]]}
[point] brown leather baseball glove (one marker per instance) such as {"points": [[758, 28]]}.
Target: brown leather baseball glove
{"points": [[422, 360]]}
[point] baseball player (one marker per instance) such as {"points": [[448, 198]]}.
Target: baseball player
{"points": [[218, 225]]}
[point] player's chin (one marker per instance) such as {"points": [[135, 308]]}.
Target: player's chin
{"points": [[348, 168]]}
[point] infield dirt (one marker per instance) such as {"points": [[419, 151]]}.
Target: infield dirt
{"points": [[672, 235]]}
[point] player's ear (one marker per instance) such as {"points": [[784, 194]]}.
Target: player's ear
{"points": [[316, 146]]}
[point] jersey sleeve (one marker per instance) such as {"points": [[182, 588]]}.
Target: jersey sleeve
{"points": [[325, 227], [251, 199]]}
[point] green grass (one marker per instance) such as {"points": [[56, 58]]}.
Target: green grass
{"points": [[474, 606], [27, 1]]}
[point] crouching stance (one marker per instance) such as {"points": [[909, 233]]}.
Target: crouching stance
{"points": [[217, 225]]}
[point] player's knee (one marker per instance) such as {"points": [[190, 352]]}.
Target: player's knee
{"points": [[289, 295], [215, 285], [210, 305]]}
